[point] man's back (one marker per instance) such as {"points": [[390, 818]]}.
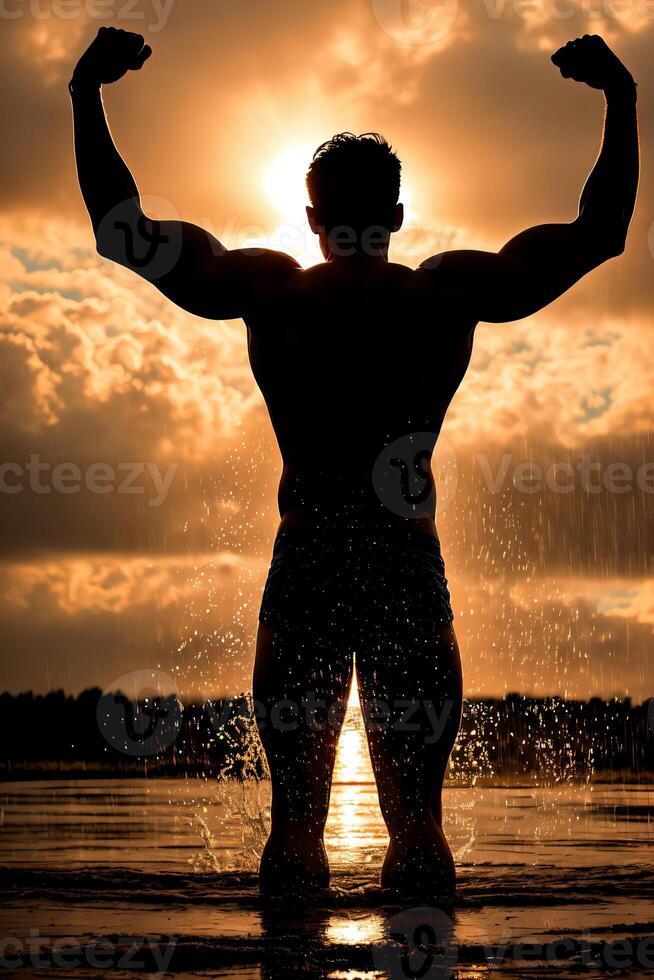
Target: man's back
{"points": [[351, 355]]}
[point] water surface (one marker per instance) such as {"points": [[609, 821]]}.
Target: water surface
{"points": [[115, 859]]}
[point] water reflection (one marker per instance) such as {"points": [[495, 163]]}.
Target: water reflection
{"points": [[179, 857], [213, 827], [355, 832], [362, 928]]}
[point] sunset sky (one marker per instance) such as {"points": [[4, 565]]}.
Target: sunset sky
{"points": [[553, 592]]}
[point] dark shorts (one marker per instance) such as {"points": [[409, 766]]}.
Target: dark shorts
{"points": [[357, 582]]}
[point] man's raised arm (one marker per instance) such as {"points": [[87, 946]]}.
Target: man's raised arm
{"points": [[541, 263], [182, 260]]}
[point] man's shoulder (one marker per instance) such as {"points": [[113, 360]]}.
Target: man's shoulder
{"points": [[445, 263], [264, 273], [447, 274], [268, 260]]}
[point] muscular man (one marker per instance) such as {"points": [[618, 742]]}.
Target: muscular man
{"points": [[358, 359]]}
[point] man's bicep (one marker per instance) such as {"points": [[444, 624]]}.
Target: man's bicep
{"points": [[530, 271], [202, 276], [194, 270], [541, 264], [175, 256], [470, 280]]}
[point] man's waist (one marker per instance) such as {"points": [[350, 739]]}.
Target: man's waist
{"points": [[312, 497], [344, 519]]}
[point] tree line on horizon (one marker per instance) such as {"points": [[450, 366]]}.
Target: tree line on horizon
{"points": [[547, 739]]}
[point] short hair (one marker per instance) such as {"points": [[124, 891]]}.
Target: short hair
{"points": [[354, 181]]}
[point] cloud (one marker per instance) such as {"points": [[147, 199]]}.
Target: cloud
{"points": [[96, 367], [76, 340], [571, 637], [556, 383], [85, 620]]}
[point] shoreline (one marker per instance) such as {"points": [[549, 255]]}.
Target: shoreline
{"points": [[82, 771]]}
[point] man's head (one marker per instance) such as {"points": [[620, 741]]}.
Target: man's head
{"points": [[354, 185]]}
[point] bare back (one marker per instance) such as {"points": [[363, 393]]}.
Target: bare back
{"points": [[355, 352], [351, 355]]}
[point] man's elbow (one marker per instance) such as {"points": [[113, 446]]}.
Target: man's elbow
{"points": [[109, 248], [123, 235], [611, 240], [602, 247], [102, 246], [110, 240], [604, 238], [615, 245]]}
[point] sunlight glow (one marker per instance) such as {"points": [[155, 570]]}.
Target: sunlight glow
{"points": [[351, 932], [284, 183], [285, 187], [348, 835], [353, 701], [352, 759]]}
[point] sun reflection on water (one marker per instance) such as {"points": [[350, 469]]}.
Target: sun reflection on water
{"points": [[351, 931], [355, 827], [352, 758], [355, 975]]}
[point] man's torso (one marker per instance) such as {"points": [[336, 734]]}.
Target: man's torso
{"points": [[351, 356]]}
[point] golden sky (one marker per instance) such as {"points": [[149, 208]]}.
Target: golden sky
{"points": [[553, 592]]}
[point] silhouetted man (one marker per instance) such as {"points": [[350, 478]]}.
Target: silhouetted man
{"points": [[358, 359]]}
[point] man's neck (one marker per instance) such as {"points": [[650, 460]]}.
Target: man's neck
{"points": [[358, 255]]}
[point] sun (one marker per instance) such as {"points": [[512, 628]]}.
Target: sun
{"points": [[284, 182]]}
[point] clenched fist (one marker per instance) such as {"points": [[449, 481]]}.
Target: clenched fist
{"points": [[110, 56], [589, 59]]}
